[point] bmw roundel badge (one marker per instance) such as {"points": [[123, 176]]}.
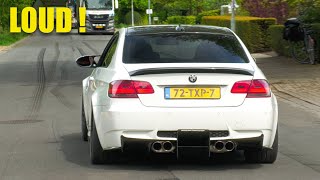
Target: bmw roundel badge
{"points": [[193, 78]]}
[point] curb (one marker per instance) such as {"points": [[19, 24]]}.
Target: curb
{"points": [[265, 55]]}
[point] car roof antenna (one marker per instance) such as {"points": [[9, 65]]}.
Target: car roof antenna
{"points": [[180, 28]]}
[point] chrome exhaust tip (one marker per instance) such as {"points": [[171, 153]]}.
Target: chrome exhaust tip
{"points": [[156, 146], [167, 146], [162, 147], [230, 146], [219, 145]]}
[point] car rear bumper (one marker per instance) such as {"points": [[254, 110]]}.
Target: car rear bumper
{"points": [[140, 123], [145, 145]]}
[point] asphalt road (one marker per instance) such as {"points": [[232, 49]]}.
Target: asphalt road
{"points": [[40, 88]]}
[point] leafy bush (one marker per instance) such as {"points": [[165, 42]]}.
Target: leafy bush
{"points": [[181, 20], [309, 10], [5, 11], [121, 25], [281, 46], [138, 19], [252, 30], [276, 42], [316, 35], [271, 8], [207, 13]]}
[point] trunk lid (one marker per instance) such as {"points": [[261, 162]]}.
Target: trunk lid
{"points": [[216, 77]]}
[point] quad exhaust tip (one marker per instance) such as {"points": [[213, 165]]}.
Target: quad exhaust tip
{"points": [[222, 146], [219, 145], [162, 147], [229, 146], [157, 146], [168, 147]]}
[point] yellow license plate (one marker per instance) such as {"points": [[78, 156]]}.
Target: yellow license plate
{"points": [[99, 27], [192, 93]]}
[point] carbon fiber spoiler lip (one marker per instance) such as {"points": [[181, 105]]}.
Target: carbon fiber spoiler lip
{"points": [[148, 71]]}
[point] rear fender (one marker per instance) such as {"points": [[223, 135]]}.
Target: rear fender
{"points": [[259, 75], [275, 119], [96, 117], [86, 101]]}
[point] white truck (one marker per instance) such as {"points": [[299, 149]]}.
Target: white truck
{"points": [[100, 15]]}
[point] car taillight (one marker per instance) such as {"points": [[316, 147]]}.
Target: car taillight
{"points": [[129, 89], [254, 89]]}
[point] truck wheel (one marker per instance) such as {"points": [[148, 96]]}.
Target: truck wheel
{"points": [[80, 32], [84, 129], [265, 155]]}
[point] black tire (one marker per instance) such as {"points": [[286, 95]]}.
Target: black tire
{"points": [[84, 129], [268, 156], [312, 52], [316, 52], [97, 154], [96, 151], [80, 32], [299, 53]]}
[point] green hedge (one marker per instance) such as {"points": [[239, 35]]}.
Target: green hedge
{"points": [[276, 42], [281, 46], [181, 20], [207, 13], [138, 19], [316, 35], [253, 31]]}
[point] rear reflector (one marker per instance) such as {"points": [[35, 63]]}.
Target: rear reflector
{"points": [[254, 89], [129, 89]]}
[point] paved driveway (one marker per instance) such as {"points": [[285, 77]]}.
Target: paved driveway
{"points": [[297, 84]]}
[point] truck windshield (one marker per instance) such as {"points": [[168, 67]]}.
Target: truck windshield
{"points": [[98, 4]]}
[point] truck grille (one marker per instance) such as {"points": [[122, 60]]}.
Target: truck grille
{"points": [[99, 17]]}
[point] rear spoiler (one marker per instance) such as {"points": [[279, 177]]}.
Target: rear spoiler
{"points": [[140, 72]]}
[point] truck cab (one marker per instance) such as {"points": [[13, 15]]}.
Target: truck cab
{"points": [[99, 15]]}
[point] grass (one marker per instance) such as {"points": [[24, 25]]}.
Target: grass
{"points": [[119, 26], [7, 38]]}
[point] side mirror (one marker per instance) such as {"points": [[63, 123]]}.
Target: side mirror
{"points": [[87, 61]]}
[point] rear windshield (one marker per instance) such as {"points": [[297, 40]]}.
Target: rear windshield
{"points": [[183, 48]]}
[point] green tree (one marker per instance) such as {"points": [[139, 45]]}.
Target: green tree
{"points": [[308, 10], [140, 7], [165, 8], [5, 10]]}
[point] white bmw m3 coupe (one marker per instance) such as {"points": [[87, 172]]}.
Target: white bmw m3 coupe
{"points": [[178, 90]]}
